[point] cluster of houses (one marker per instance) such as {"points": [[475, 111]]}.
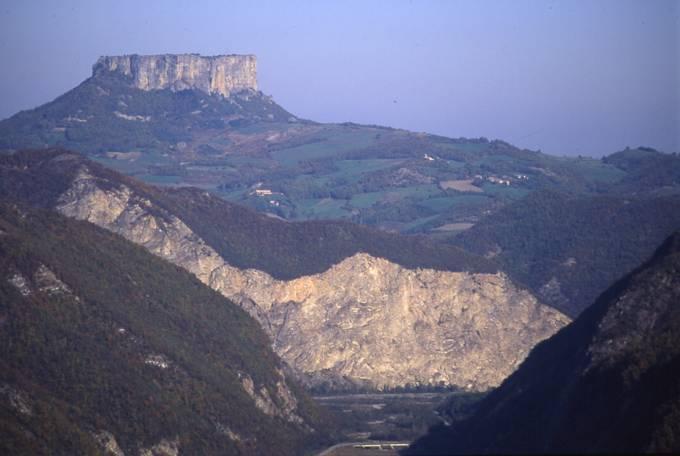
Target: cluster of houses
{"points": [[503, 180], [259, 191], [498, 180], [262, 192], [157, 361]]}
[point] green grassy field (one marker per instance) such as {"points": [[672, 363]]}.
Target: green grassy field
{"points": [[597, 171], [366, 200], [323, 208], [333, 145], [356, 167], [504, 191]]}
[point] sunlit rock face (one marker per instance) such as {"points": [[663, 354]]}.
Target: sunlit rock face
{"points": [[375, 321], [364, 320], [221, 74]]}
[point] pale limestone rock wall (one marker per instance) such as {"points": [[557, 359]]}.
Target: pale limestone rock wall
{"points": [[365, 318], [47, 282], [263, 399], [374, 320], [222, 74]]}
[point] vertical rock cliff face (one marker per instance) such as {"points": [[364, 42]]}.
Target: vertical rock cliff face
{"points": [[222, 74], [365, 319]]}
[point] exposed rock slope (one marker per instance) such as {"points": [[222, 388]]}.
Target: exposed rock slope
{"points": [[607, 383], [364, 319], [372, 320], [221, 74]]}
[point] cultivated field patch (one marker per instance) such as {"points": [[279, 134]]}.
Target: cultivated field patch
{"points": [[462, 185]]}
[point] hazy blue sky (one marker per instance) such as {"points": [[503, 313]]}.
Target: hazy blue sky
{"points": [[566, 77]]}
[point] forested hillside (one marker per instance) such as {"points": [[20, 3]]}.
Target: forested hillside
{"points": [[102, 343], [568, 248]]}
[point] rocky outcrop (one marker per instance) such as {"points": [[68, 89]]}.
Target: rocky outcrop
{"points": [[16, 399], [263, 399], [374, 321], [47, 282], [163, 448], [107, 443], [365, 319], [221, 74], [20, 283]]}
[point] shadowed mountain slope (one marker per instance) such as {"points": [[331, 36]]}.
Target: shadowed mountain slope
{"points": [[607, 383], [107, 349], [570, 248], [187, 120]]}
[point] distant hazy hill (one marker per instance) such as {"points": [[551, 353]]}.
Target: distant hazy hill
{"points": [[607, 383], [569, 248], [246, 148], [542, 215], [105, 113], [648, 171], [345, 305], [106, 349]]}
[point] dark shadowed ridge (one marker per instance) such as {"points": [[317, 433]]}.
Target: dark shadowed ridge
{"points": [[243, 237], [98, 337], [569, 248], [606, 383]]}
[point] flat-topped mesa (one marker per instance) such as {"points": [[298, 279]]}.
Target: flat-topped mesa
{"points": [[220, 74]]}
